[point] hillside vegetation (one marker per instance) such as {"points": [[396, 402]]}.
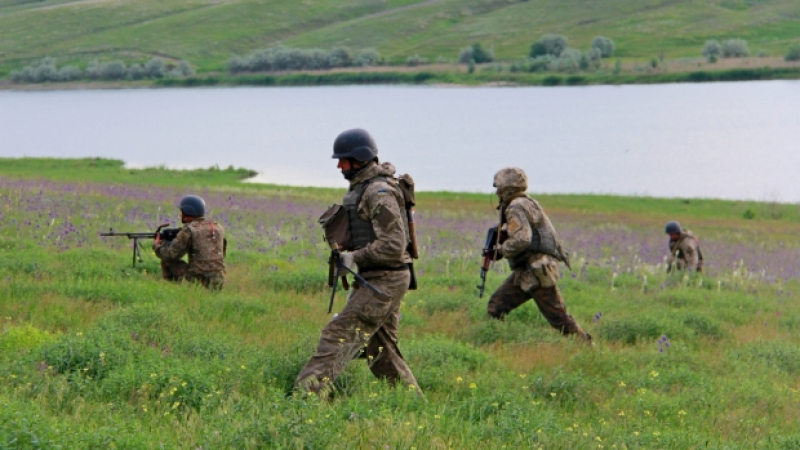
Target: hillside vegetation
{"points": [[96, 354], [208, 33]]}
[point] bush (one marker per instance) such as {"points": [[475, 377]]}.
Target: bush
{"points": [[793, 54], [155, 68], [604, 45], [69, 73], [549, 44], [368, 57], [735, 48], [569, 60], [416, 60], [712, 48], [477, 53], [114, 70], [184, 69], [136, 72]]}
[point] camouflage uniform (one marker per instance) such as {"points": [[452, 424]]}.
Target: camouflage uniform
{"points": [[535, 273], [204, 241], [368, 324], [684, 253]]}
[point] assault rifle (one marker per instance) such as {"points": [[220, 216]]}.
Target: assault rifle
{"points": [[167, 234], [493, 239], [336, 269]]}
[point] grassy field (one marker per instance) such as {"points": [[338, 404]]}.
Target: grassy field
{"points": [[97, 354], [208, 32]]}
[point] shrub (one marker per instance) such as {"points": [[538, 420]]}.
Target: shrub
{"points": [[477, 53], [604, 45], [135, 72], [114, 70], [549, 44], [69, 73], [340, 57], [185, 69], [92, 71], [155, 68], [793, 54], [618, 67], [416, 60], [569, 60], [734, 48], [712, 47], [368, 57]]}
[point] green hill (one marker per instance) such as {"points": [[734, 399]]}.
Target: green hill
{"points": [[208, 32]]}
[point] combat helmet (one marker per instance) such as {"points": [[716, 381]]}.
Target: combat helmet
{"points": [[673, 227], [356, 144], [193, 206], [511, 178]]}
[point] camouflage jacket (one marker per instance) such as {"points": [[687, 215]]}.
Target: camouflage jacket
{"points": [[684, 253], [204, 242], [523, 215], [382, 206]]}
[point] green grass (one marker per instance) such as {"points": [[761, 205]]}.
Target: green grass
{"points": [[96, 354], [208, 33]]}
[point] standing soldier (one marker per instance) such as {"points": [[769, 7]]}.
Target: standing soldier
{"points": [[533, 253], [368, 324], [684, 249], [202, 239]]}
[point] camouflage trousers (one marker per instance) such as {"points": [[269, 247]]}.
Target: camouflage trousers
{"points": [[179, 271], [366, 327], [509, 296]]}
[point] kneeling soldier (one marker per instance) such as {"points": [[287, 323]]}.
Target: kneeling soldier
{"points": [[204, 242], [684, 249], [533, 252]]}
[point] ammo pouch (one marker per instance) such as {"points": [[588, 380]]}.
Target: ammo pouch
{"points": [[336, 225], [544, 271]]}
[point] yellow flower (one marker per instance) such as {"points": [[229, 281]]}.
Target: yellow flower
{"points": [[243, 367], [553, 394], [79, 333], [183, 384], [473, 386], [621, 413], [569, 429], [622, 384], [653, 374], [635, 433], [436, 416], [598, 439], [152, 375], [459, 380], [523, 375], [310, 421], [656, 434], [647, 413], [681, 413]]}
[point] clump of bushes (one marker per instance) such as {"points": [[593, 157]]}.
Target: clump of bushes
{"points": [[284, 58], [553, 53], [476, 53], [793, 54], [729, 48], [416, 60], [47, 71]]}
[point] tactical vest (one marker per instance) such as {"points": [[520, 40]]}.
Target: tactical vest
{"points": [[208, 243], [543, 240], [361, 231], [678, 252]]}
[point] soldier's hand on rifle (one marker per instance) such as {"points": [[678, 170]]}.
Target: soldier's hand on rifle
{"points": [[495, 253], [346, 259], [157, 240]]}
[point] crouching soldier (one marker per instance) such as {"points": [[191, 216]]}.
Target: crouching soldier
{"points": [[684, 249], [533, 252], [204, 242]]}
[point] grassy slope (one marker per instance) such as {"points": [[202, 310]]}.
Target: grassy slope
{"points": [[208, 32], [96, 355]]}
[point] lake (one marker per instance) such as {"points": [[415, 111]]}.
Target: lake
{"points": [[721, 140]]}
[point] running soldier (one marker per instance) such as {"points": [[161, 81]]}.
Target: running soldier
{"points": [[367, 327], [204, 242], [684, 249], [533, 252]]}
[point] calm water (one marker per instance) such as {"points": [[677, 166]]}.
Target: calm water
{"points": [[726, 140]]}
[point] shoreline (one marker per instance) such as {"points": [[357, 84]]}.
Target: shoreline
{"points": [[429, 78]]}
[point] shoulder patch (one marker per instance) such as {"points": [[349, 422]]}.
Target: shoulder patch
{"points": [[382, 192]]}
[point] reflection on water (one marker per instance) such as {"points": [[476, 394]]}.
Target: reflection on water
{"points": [[727, 140]]}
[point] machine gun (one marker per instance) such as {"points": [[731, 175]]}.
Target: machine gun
{"points": [[167, 234], [493, 239]]}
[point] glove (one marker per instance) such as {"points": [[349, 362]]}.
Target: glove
{"points": [[346, 260]]}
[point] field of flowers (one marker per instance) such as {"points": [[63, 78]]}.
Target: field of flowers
{"points": [[95, 353]]}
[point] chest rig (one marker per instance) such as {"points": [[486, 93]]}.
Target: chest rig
{"points": [[361, 231], [543, 240]]}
